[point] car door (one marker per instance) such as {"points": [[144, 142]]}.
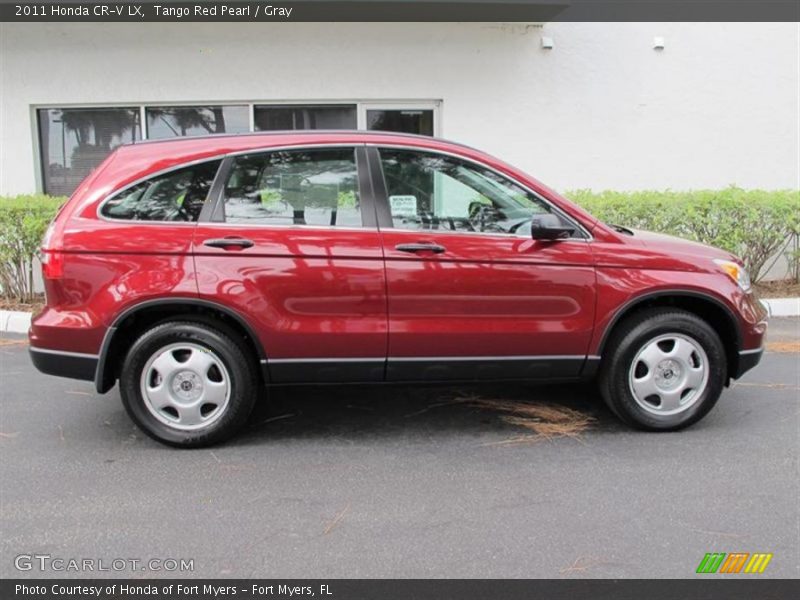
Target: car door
{"points": [[471, 294], [291, 245]]}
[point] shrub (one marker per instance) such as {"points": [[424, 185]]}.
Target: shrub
{"points": [[755, 225], [23, 221]]}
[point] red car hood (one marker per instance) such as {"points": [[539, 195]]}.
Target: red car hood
{"points": [[670, 245]]}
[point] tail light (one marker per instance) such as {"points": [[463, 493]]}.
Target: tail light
{"points": [[52, 264], [51, 256]]}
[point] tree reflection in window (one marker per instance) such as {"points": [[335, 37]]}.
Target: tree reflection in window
{"points": [[183, 121], [309, 187], [74, 141], [432, 191], [177, 195]]}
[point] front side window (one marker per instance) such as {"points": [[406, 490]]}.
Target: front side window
{"points": [[295, 187], [433, 192], [177, 195]]}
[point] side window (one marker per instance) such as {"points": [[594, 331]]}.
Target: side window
{"points": [[295, 187], [174, 196], [434, 192]]}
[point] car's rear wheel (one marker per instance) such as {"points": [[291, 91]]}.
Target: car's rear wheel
{"points": [[664, 369], [188, 384]]}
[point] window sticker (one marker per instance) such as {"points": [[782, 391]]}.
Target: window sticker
{"points": [[403, 206]]}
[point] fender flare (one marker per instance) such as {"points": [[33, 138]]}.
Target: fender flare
{"points": [[631, 304], [101, 382]]}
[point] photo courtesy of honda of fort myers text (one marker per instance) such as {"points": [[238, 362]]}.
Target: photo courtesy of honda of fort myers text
{"points": [[399, 299]]}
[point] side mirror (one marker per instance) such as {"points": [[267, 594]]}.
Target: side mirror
{"points": [[549, 227]]}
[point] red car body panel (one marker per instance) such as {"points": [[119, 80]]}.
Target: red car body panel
{"points": [[307, 293], [489, 296], [310, 293]]}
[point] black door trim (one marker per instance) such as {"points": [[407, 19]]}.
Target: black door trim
{"points": [[366, 189], [424, 369], [382, 210], [483, 368], [213, 209]]}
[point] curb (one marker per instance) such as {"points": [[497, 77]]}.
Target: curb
{"points": [[15, 321], [783, 307]]}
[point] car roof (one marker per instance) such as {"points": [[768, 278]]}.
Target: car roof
{"points": [[134, 160]]}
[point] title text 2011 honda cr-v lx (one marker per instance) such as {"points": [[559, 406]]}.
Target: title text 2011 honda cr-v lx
{"points": [[195, 271]]}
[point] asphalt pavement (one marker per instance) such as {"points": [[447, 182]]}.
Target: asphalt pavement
{"points": [[353, 482]]}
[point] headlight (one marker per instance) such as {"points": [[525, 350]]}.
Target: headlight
{"points": [[735, 272]]}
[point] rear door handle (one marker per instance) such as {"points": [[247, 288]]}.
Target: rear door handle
{"points": [[226, 243], [420, 247]]}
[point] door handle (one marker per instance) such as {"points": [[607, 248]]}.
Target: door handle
{"points": [[421, 247], [226, 243]]}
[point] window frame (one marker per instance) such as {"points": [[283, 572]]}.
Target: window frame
{"points": [[213, 212], [385, 220], [100, 205]]}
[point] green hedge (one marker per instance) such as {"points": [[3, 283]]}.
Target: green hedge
{"points": [[23, 221], [756, 225]]}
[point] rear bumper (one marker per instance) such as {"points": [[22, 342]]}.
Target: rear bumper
{"points": [[64, 364]]}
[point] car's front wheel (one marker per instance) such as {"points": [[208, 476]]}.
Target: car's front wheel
{"points": [[188, 384], [664, 369]]}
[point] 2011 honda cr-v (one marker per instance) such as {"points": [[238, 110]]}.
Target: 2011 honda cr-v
{"points": [[194, 271]]}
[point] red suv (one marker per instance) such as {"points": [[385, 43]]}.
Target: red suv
{"points": [[195, 271]]}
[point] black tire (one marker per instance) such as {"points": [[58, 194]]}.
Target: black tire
{"points": [[633, 335], [243, 384]]}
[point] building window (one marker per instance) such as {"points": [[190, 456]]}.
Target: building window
{"points": [[182, 121], [419, 122], [273, 118], [74, 141]]}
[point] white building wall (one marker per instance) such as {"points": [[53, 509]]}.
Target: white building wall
{"points": [[602, 109]]}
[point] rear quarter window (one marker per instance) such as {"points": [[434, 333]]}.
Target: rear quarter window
{"points": [[177, 195]]}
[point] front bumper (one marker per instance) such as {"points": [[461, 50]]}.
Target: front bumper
{"points": [[747, 360], [757, 316]]}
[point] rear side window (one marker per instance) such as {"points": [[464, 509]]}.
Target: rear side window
{"points": [[178, 195], [295, 187]]}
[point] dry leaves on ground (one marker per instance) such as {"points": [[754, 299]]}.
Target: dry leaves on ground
{"points": [[542, 421]]}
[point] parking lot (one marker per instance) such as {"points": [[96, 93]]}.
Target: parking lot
{"points": [[399, 482]]}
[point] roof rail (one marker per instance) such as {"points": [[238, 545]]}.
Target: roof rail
{"points": [[301, 132]]}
